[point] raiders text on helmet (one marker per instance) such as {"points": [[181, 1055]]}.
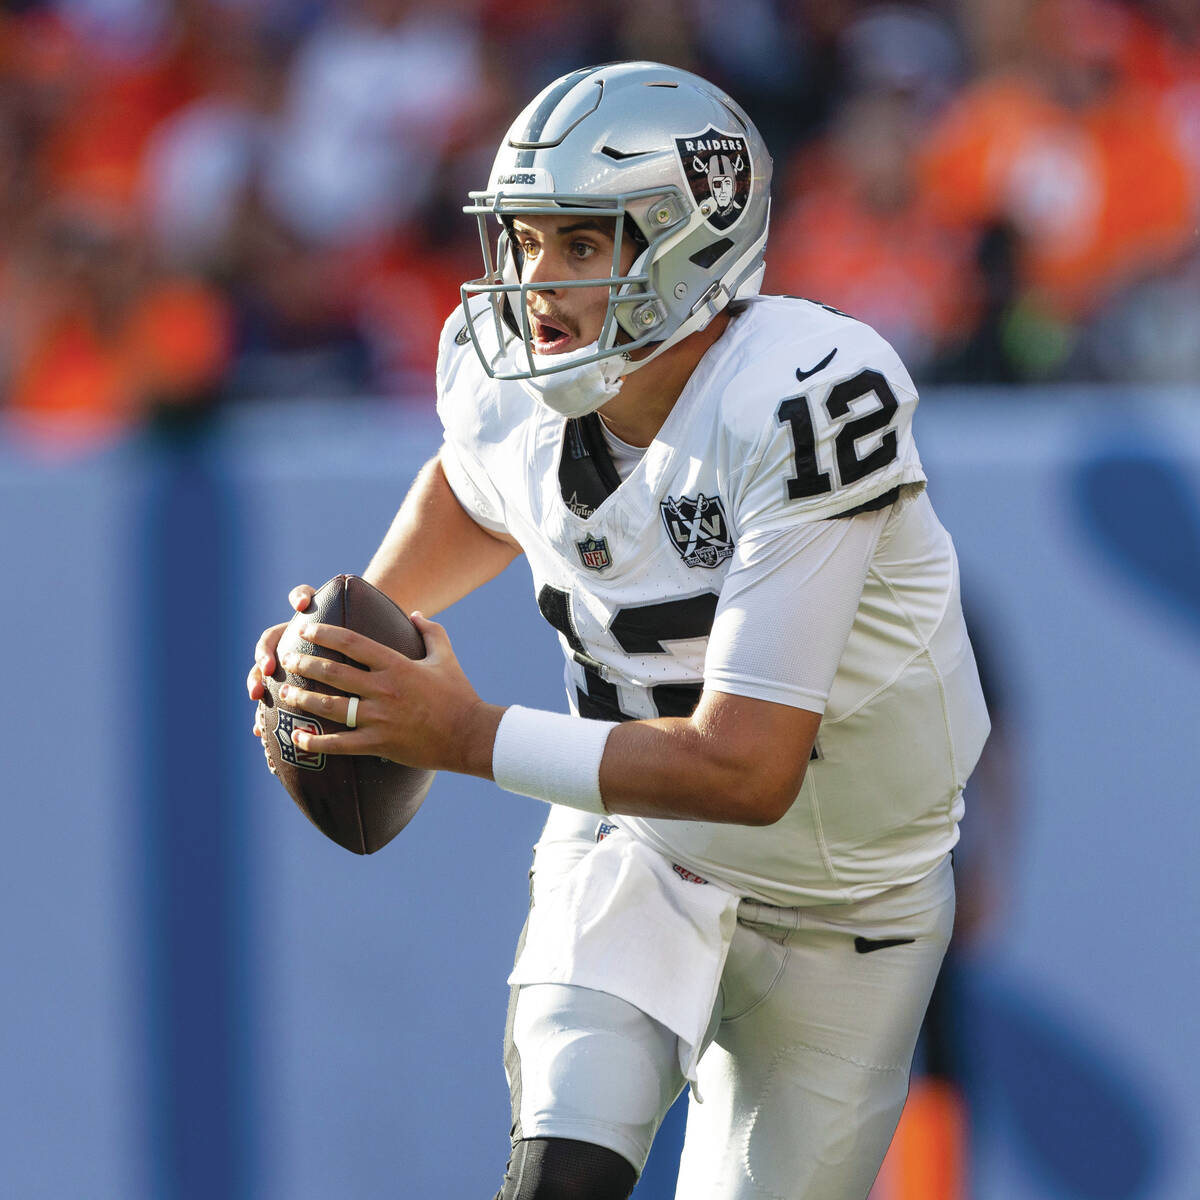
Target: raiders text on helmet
{"points": [[681, 170]]}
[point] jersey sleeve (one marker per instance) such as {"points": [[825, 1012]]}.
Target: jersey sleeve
{"points": [[466, 405], [472, 489], [830, 442], [786, 610]]}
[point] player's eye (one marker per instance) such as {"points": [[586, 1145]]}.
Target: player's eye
{"points": [[583, 249], [529, 249]]}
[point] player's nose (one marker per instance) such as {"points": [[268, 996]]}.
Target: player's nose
{"points": [[543, 269]]}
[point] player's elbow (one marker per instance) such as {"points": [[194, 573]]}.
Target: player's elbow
{"points": [[757, 793], [770, 804], [755, 756]]}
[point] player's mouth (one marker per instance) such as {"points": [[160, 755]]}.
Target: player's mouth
{"points": [[550, 335]]}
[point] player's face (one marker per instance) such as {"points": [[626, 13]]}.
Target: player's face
{"points": [[567, 249]]}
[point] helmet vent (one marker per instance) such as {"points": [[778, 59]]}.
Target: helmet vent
{"points": [[663, 84], [621, 155], [707, 255]]}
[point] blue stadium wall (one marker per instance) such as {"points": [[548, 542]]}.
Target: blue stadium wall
{"points": [[201, 997]]}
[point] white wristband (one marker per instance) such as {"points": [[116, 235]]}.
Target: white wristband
{"points": [[551, 756]]}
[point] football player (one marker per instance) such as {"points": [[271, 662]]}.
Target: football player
{"points": [[744, 881]]}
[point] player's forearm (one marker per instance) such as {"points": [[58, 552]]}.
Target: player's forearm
{"points": [[434, 553], [676, 768], [735, 760]]}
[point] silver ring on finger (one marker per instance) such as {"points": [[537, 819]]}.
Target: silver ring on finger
{"points": [[352, 713]]}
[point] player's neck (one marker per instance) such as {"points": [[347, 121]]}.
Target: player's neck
{"points": [[647, 396]]}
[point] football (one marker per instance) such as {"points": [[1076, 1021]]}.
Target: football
{"points": [[359, 801]]}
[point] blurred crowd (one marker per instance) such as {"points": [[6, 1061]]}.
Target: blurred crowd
{"points": [[208, 201]]}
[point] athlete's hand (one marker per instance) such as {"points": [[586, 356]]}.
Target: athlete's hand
{"points": [[264, 651], [422, 712]]}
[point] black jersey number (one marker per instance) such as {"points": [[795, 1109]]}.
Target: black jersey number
{"points": [[639, 629], [809, 479]]}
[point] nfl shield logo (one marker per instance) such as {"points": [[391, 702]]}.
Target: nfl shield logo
{"points": [[288, 750], [698, 529], [594, 553]]}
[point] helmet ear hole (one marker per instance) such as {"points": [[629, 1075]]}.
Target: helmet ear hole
{"points": [[511, 247], [708, 256], [509, 261]]}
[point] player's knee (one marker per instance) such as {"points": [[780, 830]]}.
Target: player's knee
{"points": [[592, 1058], [566, 1169], [626, 1091]]}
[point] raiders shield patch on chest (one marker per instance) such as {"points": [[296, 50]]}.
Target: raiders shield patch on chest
{"points": [[717, 167], [698, 529]]}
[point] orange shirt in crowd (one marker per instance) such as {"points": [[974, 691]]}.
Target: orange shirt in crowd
{"points": [[902, 271], [101, 109], [172, 345], [1099, 196], [407, 292]]}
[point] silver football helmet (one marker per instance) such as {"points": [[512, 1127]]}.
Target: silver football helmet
{"points": [[682, 171]]}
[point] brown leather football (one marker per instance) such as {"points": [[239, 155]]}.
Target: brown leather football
{"points": [[359, 801]]}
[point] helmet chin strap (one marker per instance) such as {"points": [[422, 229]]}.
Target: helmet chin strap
{"points": [[575, 391]]}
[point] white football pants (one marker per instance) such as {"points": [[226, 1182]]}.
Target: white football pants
{"points": [[806, 1071]]}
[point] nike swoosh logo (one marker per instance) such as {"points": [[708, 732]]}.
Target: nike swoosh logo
{"points": [[802, 375], [868, 945], [462, 337]]}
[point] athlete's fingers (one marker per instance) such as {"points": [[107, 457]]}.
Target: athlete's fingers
{"points": [[318, 703], [354, 645], [355, 741], [254, 683], [264, 651], [437, 640], [300, 595], [339, 675]]}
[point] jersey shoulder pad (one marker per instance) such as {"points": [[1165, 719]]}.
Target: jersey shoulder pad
{"points": [[455, 352], [469, 402], [819, 408]]}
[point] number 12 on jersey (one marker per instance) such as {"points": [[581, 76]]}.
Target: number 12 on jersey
{"points": [[795, 412]]}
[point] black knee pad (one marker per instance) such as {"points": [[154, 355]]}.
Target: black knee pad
{"points": [[565, 1169]]}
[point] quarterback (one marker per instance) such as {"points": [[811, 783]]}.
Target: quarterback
{"points": [[744, 881]]}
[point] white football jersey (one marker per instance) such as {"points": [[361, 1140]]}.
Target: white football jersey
{"points": [[797, 414]]}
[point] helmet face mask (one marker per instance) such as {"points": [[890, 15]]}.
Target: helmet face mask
{"points": [[630, 295], [677, 167]]}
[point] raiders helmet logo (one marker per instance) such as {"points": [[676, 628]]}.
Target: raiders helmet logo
{"points": [[698, 529], [718, 170]]}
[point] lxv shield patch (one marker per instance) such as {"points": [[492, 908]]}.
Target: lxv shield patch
{"points": [[698, 529]]}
